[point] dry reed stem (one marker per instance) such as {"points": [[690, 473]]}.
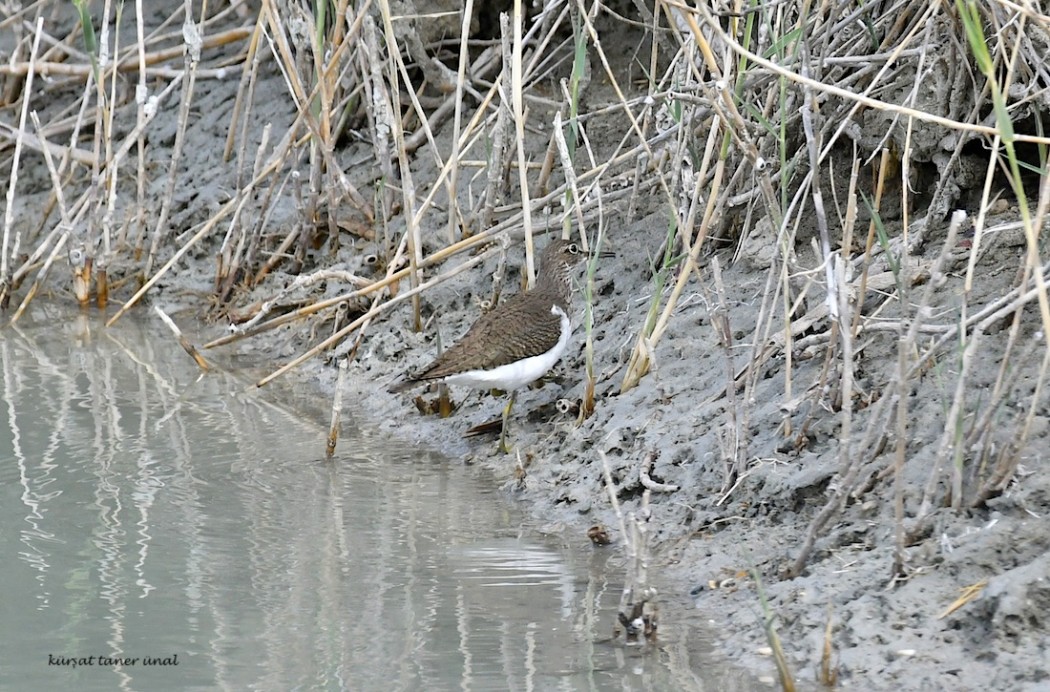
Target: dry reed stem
{"points": [[337, 409], [500, 273], [408, 190], [82, 253], [646, 480], [35, 143], [285, 59], [184, 342], [969, 593], [467, 133], [622, 101], [105, 253], [231, 260], [828, 674], [5, 269], [141, 66], [900, 451], [244, 99], [498, 165], [640, 362], [377, 309], [141, 99], [869, 244], [518, 116], [734, 437], [571, 184], [845, 94], [455, 215], [844, 326], [587, 402], [194, 41], [62, 229], [787, 680], [44, 269]]}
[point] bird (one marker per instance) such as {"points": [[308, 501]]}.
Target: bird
{"points": [[516, 342]]}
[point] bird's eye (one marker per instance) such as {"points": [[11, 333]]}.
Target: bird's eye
{"points": [[574, 249], [371, 260]]}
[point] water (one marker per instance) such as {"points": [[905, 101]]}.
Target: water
{"points": [[189, 526]]}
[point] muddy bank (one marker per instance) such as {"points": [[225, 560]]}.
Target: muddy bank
{"points": [[887, 632]]}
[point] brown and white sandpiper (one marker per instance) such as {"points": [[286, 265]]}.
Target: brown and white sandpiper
{"points": [[518, 341]]}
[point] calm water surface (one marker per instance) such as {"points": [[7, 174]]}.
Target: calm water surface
{"points": [[190, 526]]}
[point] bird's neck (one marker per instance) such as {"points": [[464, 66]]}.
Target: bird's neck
{"points": [[558, 285]]}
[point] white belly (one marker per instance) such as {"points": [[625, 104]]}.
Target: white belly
{"points": [[515, 375]]}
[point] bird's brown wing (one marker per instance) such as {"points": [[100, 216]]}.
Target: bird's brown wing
{"points": [[488, 343]]}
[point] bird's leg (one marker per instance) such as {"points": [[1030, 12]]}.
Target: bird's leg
{"points": [[503, 429]]}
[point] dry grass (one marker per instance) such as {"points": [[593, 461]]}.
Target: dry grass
{"points": [[741, 127]]}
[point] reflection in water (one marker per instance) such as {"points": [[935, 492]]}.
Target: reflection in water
{"points": [[188, 526]]}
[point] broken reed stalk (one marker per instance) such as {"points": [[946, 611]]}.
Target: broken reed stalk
{"points": [[82, 253], [128, 63], [572, 191], [646, 479], [883, 170], [829, 675], [637, 614], [331, 92], [900, 451], [846, 322], [337, 409], [499, 275], [787, 680], [186, 344]]}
